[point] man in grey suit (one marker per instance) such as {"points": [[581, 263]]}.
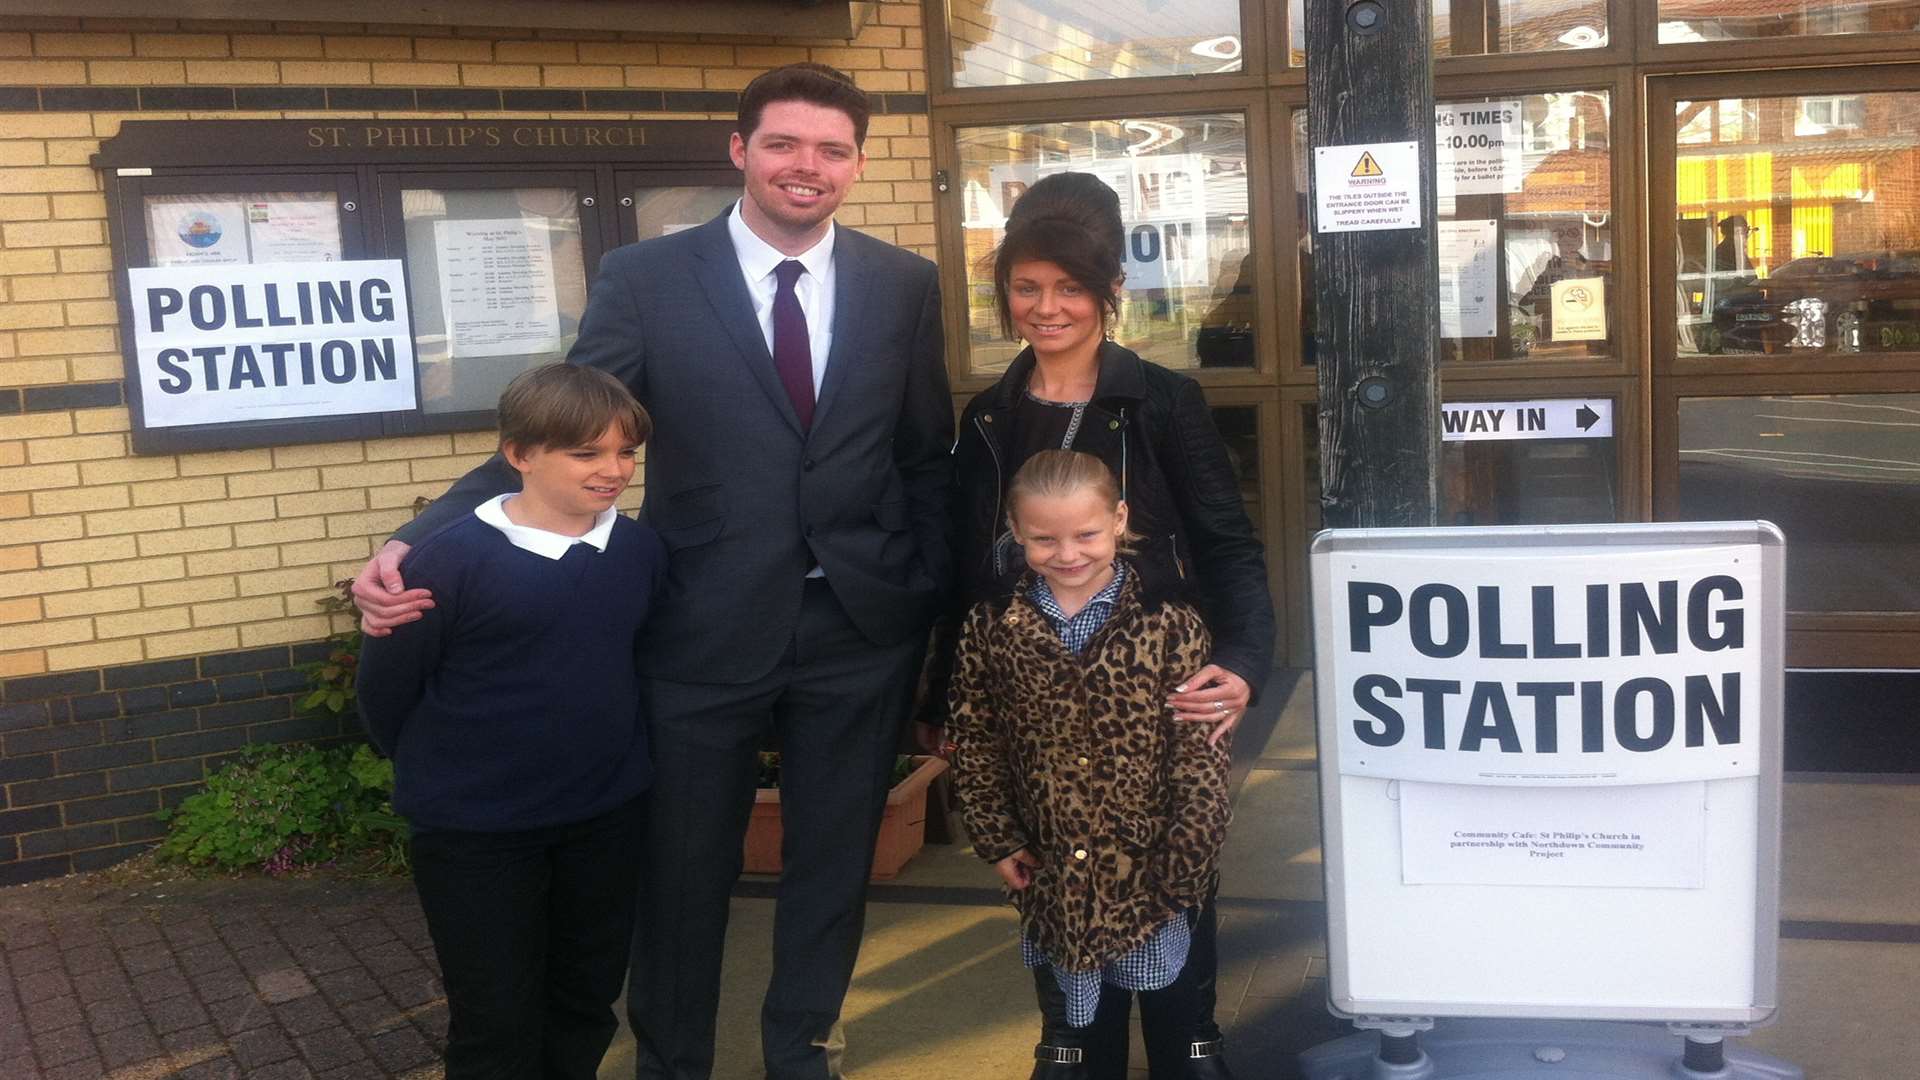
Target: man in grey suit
{"points": [[798, 473]]}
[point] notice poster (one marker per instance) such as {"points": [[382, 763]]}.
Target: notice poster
{"points": [[229, 344], [212, 232], [1366, 187], [294, 230], [1469, 289], [1580, 309], [1651, 837], [497, 290], [1477, 148]]}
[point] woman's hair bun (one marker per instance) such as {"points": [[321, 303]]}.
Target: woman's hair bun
{"points": [[1080, 200]]}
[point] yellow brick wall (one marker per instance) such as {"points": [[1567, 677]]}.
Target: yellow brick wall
{"points": [[107, 558]]}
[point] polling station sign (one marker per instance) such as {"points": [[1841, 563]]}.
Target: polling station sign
{"points": [[1569, 664], [1553, 750], [225, 344]]}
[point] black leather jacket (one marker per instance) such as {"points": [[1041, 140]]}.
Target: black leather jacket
{"points": [[1153, 429]]}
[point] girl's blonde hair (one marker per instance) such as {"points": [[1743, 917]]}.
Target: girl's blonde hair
{"points": [[1058, 473]]}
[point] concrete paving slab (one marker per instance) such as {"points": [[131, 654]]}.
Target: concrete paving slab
{"points": [[1273, 849]]}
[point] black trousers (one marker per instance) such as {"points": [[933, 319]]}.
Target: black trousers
{"points": [[836, 703], [1172, 1019], [532, 930]]}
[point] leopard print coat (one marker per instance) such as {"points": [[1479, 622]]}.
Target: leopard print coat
{"points": [[1078, 760]]}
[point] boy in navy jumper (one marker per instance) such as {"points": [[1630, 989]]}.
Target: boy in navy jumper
{"points": [[520, 757]]}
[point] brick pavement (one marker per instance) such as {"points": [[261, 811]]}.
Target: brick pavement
{"points": [[211, 980]]}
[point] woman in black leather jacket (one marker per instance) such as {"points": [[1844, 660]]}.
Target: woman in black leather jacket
{"points": [[1057, 276]]}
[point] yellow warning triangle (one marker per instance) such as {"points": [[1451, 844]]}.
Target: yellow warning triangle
{"points": [[1366, 166]]}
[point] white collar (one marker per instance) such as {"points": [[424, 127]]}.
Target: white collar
{"points": [[758, 258], [551, 545]]}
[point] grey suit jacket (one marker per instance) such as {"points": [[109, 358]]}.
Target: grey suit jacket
{"points": [[745, 500]]}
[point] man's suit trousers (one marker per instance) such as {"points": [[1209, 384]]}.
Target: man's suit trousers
{"points": [[835, 703]]}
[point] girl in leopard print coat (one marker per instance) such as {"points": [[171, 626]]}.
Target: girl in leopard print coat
{"points": [[1104, 814]]}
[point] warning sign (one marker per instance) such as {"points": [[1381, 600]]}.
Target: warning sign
{"points": [[1364, 188]]}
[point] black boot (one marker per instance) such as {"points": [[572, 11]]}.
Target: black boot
{"points": [[1095, 1052], [1207, 1061]]}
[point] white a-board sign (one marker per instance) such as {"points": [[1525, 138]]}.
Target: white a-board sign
{"points": [[1550, 770]]}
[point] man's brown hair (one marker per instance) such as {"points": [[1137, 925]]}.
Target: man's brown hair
{"points": [[814, 83], [559, 406]]}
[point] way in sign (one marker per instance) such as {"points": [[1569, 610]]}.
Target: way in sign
{"points": [[1567, 418]]}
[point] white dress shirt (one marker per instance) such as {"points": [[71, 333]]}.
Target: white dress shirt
{"points": [[542, 542], [814, 290]]}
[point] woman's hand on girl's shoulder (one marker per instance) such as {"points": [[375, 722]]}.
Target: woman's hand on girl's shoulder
{"points": [[1212, 695]]}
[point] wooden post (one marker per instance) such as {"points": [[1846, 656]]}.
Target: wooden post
{"points": [[1369, 82]]}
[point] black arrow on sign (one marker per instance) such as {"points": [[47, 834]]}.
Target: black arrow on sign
{"points": [[1586, 418]]}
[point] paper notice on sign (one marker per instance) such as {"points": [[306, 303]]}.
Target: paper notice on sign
{"points": [[230, 344], [1477, 148], [1503, 421], [211, 233], [283, 231], [497, 290], [1469, 289], [1366, 187], [1580, 309], [1651, 836]]}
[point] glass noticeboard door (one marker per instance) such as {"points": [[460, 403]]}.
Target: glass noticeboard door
{"points": [[497, 273]]}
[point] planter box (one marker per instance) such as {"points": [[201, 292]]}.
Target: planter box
{"points": [[903, 828]]}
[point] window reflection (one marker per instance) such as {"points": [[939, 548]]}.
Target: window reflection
{"points": [[1798, 224], [1525, 228], [659, 211], [1840, 475], [1189, 297], [1018, 42], [1239, 427], [1722, 20], [1501, 26]]}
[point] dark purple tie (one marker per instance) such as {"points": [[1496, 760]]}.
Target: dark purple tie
{"points": [[792, 354]]}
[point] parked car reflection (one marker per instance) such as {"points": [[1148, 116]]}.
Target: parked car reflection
{"points": [[1867, 302]]}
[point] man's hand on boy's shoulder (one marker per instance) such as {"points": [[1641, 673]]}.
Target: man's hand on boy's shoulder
{"points": [[382, 597]]}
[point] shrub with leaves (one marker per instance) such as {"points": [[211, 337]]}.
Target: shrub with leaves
{"points": [[284, 807]]}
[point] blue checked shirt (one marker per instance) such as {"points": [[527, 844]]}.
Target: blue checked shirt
{"points": [[1158, 960], [1075, 632], [1152, 966]]}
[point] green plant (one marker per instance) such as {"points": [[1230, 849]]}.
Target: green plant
{"points": [[330, 681], [283, 807]]}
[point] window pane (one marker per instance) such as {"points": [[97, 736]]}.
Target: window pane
{"points": [[1016, 42], [1525, 228], [1796, 225], [250, 227], [1189, 297], [1840, 475], [658, 211], [1240, 428], [1721, 20], [498, 282], [1560, 481], [1510, 26], [1529, 481]]}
